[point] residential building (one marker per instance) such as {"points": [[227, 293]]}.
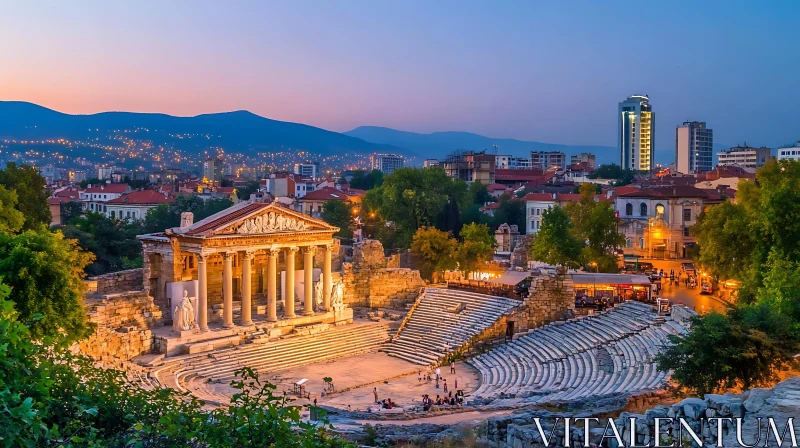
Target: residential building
{"points": [[637, 133], [656, 221], [313, 202], [136, 204], [537, 203], [585, 158], [745, 156], [694, 147], [77, 176], [95, 197], [213, 169], [428, 163], [470, 166], [515, 177], [386, 163], [790, 152], [105, 172], [307, 169], [548, 159]]}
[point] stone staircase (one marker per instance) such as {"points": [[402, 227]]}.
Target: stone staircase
{"points": [[591, 356], [192, 372], [444, 320]]}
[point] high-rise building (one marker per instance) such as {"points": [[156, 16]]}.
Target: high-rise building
{"points": [[637, 133], [745, 156], [213, 169], [548, 159], [307, 169], [387, 163], [470, 166], [585, 157], [694, 144]]}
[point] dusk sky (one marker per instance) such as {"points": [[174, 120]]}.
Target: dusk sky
{"points": [[544, 71]]}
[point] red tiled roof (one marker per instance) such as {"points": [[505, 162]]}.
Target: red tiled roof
{"points": [[568, 197], [68, 194], [496, 187], [108, 188], [55, 201], [142, 197], [228, 190], [541, 197], [490, 206], [676, 191], [331, 194], [519, 175]]}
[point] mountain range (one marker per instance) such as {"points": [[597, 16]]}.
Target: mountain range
{"points": [[439, 144], [240, 130], [245, 131]]}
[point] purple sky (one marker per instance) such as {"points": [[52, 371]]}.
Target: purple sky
{"points": [[545, 71]]}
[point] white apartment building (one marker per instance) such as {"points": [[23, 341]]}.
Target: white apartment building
{"points": [[694, 147], [745, 156], [94, 198], [387, 163], [792, 153]]}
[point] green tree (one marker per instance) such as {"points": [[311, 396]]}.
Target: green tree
{"points": [[433, 252], [166, 216], [480, 193], [113, 242], [363, 180], [70, 210], [509, 211], [476, 247], [11, 219], [595, 223], [245, 192], [339, 214], [411, 198], [45, 272], [726, 241], [555, 243], [31, 193], [621, 176]]}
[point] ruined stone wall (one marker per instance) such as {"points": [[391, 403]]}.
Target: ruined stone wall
{"points": [[370, 281], [116, 282], [550, 299], [393, 285], [123, 326]]}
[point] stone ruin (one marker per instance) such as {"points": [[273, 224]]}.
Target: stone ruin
{"points": [[370, 282]]}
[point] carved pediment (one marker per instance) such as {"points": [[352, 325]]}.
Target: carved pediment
{"points": [[272, 221]]}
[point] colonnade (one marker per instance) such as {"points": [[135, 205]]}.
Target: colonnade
{"points": [[271, 282]]}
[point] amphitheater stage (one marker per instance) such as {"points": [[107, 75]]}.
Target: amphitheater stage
{"points": [[355, 376]]}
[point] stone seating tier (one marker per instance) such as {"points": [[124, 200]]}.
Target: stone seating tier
{"points": [[562, 361], [433, 329]]}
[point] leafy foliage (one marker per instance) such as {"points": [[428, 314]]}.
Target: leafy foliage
{"points": [[413, 198], [366, 181], [11, 219], [49, 397], [621, 176], [166, 216], [480, 194], [45, 273], [476, 247], [113, 242], [434, 251], [31, 193], [596, 223], [555, 243], [339, 214], [245, 192]]}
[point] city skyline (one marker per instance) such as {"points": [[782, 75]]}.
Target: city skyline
{"points": [[493, 71]]}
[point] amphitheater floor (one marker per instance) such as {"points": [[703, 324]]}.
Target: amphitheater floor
{"points": [[360, 373]]}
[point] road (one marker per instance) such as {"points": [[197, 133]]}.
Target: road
{"points": [[679, 293]]}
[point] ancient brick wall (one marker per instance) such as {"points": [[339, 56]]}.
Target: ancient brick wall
{"points": [[116, 282], [393, 285], [123, 326], [370, 282], [551, 297]]}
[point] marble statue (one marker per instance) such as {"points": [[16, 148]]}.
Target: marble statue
{"points": [[337, 298], [183, 316], [318, 294]]}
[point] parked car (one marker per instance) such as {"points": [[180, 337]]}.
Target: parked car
{"points": [[706, 288], [689, 268]]}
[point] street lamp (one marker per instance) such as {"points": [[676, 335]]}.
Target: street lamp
{"points": [[594, 265]]}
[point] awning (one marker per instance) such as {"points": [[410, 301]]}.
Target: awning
{"points": [[510, 278], [610, 279]]}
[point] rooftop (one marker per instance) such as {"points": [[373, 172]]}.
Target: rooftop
{"points": [[142, 197]]}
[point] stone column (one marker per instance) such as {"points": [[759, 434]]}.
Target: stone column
{"points": [[327, 280], [272, 285], [247, 261], [202, 293], [227, 290], [288, 301], [308, 280]]}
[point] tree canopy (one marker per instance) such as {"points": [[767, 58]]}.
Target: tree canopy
{"points": [[31, 193], [363, 180], [555, 243], [595, 223], [621, 176], [45, 272], [476, 247], [339, 214], [433, 251], [11, 219]]}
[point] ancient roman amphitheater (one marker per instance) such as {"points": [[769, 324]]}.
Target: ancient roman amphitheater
{"points": [[268, 288]]}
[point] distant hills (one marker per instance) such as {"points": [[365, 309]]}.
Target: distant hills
{"points": [[240, 130], [439, 144]]}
